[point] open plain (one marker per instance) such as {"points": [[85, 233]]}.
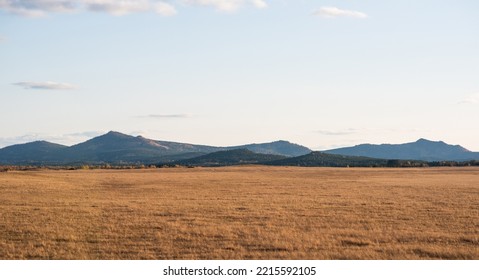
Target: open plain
{"points": [[251, 212]]}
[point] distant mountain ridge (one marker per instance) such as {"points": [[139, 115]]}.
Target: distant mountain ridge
{"points": [[115, 147], [422, 149], [118, 148]]}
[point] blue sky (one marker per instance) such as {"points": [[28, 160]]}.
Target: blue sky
{"points": [[223, 72]]}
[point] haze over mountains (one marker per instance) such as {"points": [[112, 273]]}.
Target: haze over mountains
{"points": [[118, 148]]}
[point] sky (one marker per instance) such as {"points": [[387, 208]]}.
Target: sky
{"points": [[323, 74]]}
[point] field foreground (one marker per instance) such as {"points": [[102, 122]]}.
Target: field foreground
{"points": [[241, 213]]}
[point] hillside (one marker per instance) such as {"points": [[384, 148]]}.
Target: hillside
{"points": [[230, 157], [281, 147], [329, 160], [422, 149], [38, 151], [115, 147], [118, 148]]}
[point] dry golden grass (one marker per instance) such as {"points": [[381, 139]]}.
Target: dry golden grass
{"points": [[241, 213]]}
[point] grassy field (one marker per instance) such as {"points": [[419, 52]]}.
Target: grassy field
{"points": [[241, 213]]}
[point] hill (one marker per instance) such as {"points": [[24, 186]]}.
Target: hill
{"points": [[118, 148], [115, 147], [34, 152], [422, 149], [281, 147], [320, 159], [230, 157]]}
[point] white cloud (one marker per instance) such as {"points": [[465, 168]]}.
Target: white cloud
{"points": [[348, 131], [7, 141], [167, 116], [333, 12], [39, 8], [45, 85], [64, 139], [117, 7], [471, 99], [259, 4], [228, 5], [165, 9]]}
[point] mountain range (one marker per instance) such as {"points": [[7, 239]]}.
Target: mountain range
{"points": [[422, 149], [118, 148]]}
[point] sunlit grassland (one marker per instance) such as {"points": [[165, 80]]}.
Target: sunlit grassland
{"points": [[241, 213]]}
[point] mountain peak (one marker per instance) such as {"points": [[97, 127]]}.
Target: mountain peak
{"points": [[115, 133], [426, 141]]}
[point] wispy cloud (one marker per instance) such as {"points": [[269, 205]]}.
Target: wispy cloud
{"points": [[333, 12], [348, 131], [7, 141], [37, 8], [167, 116], [164, 9], [40, 8], [228, 5], [471, 99], [45, 85], [65, 139], [88, 134], [124, 7]]}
